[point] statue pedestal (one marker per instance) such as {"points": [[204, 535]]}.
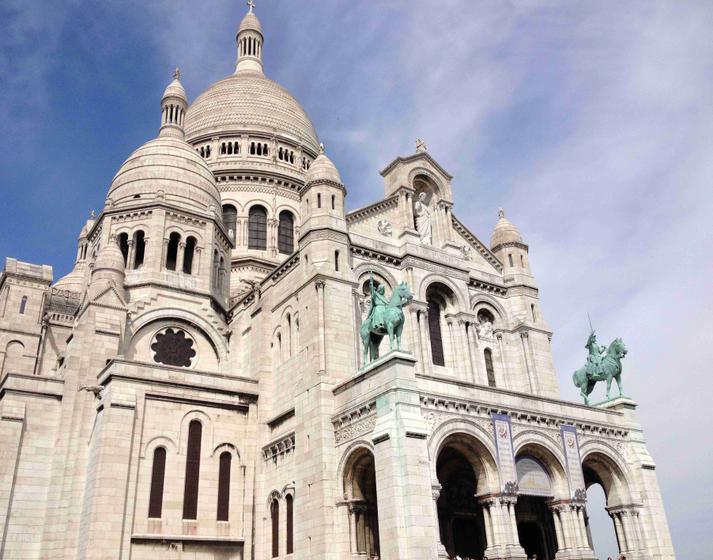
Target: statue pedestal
{"points": [[619, 404]]}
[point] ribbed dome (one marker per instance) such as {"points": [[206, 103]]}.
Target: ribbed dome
{"points": [[74, 281], [175, 89], [165, 168], [322, 168], [109, 258], [249, 101], [250, 21], [504, 232]]}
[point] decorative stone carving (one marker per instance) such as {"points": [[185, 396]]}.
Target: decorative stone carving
{"points": [[466, 251], [484, 329], [384, 228], [423, 219]]}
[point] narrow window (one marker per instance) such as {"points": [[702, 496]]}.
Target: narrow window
{"points": [[510, 259], [265, 150], [532, 309], [23, 305], [522, 261], [223, 149], [257, 228], [139, 248], [259, 149], [286, 233], [336, 261], [158, 473], [252, 148], [230, 149], [319, 200], [224, 486], [334, 198], [172, 251], [221, 273], [188, 255], [236, 148], [488, 355], [193, 466], [275, 518], [279, 154], [289, 504], [216, 264], [207, 151], [124, 246], [230, 220], [434, 330]]}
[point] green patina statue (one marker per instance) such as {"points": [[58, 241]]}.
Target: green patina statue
{"points": [[386, 316], [602, 364]]}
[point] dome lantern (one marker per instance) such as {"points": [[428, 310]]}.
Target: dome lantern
{"points": [[174, 104], [249, 41]]}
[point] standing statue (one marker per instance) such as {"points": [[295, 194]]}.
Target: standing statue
{"points": [[423, 219], [386, 316], [602, 364]]}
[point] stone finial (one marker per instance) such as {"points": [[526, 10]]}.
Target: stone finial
{"points": [[501, 213], [177, 74], [420, 146]]}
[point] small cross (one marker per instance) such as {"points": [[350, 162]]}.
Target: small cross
{"points": [[420, 145], [251, 5], [177, 74]]}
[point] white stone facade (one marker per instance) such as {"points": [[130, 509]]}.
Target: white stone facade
{"points": [[196, 387]]}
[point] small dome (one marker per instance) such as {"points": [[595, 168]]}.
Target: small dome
{"points": [[250, 22], [504, 232], [167, 169], [87, 227], [110, 258], [322, 168], [74, 281], [175, 88]]}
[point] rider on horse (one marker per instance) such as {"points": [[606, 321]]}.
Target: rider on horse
{"points": [[596, 354], [378, 303]]}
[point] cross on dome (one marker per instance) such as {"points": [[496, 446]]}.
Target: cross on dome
{"points": [[251, 5], [177, 74], [420, 146], [501, 213]]}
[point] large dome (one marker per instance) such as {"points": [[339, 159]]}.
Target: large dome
{"points": [[249, 101], [165, 168]]}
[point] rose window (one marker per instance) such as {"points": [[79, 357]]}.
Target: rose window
{"points": [[173, 348]]}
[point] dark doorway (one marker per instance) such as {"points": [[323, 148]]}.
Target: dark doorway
{"points": [[460, 516], [535, 527]]}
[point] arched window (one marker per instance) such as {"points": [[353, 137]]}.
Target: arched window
{"points": [[488, 355], [334, 199], [224, 486], [139, 248], [275, 519], [289, 505], [434, 331], [257, 228], [230, 219], [259, 149], [236, 148], [207, 151], [265, 151], [221, 273], [223, 148], [188, 255], [172, 251], [532, 309], [319, 200], [252, 148], [216, 268], [510, 259], [158, 473], [123, 241], [230, 149], [23, 305], [336, 261], [193, 467], [286, 233]]}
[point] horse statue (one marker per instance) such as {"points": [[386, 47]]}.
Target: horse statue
{"points": [[386, 317], [602, 364]]}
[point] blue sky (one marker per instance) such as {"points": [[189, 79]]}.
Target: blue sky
{"points": [[591, 123]]}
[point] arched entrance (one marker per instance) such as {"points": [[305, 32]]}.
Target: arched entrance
{"points": [[461, 469], [535, 524], [360, 490], [605, 531]]}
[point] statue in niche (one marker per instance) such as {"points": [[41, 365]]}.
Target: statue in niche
{"points": [[485, 329], [423, 219]]}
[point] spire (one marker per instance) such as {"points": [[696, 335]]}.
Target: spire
{"points": [[249, 41], [173, 108]]}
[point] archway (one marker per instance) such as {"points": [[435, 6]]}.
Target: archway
{"points": [[360, 491], [535, 524], [461, 469]]}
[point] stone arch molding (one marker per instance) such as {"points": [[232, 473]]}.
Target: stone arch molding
{"points": [[229, 447], [159, 441], [554, 461], [478, 299], [206, 432], [619, 488], [208, 330], [467, 427], [433, 278], [346, 460], [364, 268], [440, 192]]}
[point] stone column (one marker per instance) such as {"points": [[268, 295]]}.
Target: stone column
{"points": [[467, 359], [197, 261], [164, 252], [180, 256], [322, 359], [559, 531], [130, 254], [415, 336], [525, 354], [472, 337], [435, 494]]}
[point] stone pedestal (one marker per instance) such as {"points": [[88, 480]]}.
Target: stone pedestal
{"points": [[407, 525]]}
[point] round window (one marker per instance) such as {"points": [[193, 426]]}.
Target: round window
{"points": [[173, 347]]}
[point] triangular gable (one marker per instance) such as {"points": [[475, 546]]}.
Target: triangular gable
{"points": [[109, 297], [477, 245], [416, 157]]}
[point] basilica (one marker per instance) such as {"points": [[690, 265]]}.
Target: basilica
{"points": [[237, 367]]}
